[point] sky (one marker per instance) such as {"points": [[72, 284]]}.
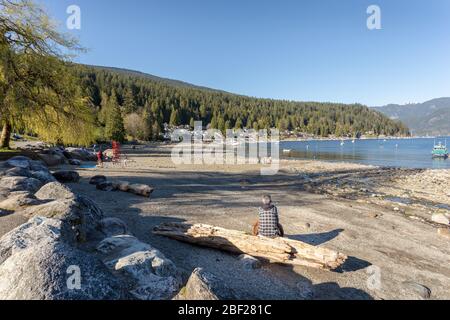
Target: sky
{"points": [[305, 50]]}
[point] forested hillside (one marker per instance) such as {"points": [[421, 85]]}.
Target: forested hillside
{"points": [[141, 103]]}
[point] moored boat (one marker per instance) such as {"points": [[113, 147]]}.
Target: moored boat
{"points": [[440, 151]]}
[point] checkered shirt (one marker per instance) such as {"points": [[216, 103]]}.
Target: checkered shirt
{"points": [[268, 222]]}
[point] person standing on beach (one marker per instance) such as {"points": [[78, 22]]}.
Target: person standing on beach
{"points": [[100, 158], [268, 224]]}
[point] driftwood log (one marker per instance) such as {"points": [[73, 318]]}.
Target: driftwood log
{"points": [[280, 250]]}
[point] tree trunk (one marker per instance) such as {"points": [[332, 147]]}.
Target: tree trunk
{"points": [[280, 250], [6, 135]]}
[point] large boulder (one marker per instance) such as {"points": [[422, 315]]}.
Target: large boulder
{"points": [[80, 154], [149, 273], [20, 184], [52, 159], [81, 214], [55, 191], [43, 176], [66, 176], [203, 285], [17, 172], [38, 262], [18, 201], [18, 161]]}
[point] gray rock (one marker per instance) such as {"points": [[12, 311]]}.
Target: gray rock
{"points": [[74, 162], [140, 189], [18, 201], [80, 214], [38, 264], [20, 184], [66, 176], [416, 290], [95, 180], [17, 172], [110, 227], [54, 191], [43, 176], [52, 159], [37, 165], [249, 262], [440, 218], [203, 285], [80, 154], [105, 186], [150, 274], [36, 230], [18, 161]]}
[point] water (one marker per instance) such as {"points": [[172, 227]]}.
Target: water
{"points": [[404, 153]]}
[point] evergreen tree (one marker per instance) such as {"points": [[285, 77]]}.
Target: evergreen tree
{"points": [[114, 129], [174, 118]]}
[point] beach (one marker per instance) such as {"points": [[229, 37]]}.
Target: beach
{"points": [[394, 248]]}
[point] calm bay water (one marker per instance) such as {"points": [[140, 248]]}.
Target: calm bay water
{"points": [[405, 153]]}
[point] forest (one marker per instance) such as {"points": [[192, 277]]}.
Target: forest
{"points": [[137, 105]]}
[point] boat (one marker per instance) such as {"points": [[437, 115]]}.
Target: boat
{"points": [[287, 150], [440, 151]]}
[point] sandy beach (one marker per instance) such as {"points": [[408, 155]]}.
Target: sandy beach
{"points": [[393, 246]]}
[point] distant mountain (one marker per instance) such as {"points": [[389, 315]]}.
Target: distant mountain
{"points": [[428, 118]]}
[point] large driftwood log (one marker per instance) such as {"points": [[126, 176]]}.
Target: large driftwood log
{"points": [[281, 250]]}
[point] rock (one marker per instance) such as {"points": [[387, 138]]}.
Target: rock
{"points": [[416, 290], [18, 161], [67, 176], [396, 209], [38, 166], [18, 201], [440, 218], [37, 263], [37, 229], [203, 285], [52, 159], [307, 225], [80, 154], [151, 275], [81, 214], [105, 186], [54, 191], [249, 262], [444, 232], [43, 176], [140, 189], [20, 184], [121, 185], [112, 227], [74, 162], [17, 172], [95, 180]]}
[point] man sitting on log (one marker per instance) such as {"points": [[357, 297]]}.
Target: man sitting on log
{"points": [[268, 224]]}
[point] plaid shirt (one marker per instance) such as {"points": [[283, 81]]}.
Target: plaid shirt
{"points": [[268, 222]]}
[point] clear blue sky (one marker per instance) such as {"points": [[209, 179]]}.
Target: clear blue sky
{"points": [[318, 50]]}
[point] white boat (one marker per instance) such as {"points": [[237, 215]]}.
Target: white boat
{"points": [[287, 150]]}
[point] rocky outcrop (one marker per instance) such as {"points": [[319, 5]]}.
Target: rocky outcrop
{"points": [[80, 154], [80, 214], [20, 184], [39, 262], [66, 176], [54, 191], [203, 285], [151, 275], [19, 200]]}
